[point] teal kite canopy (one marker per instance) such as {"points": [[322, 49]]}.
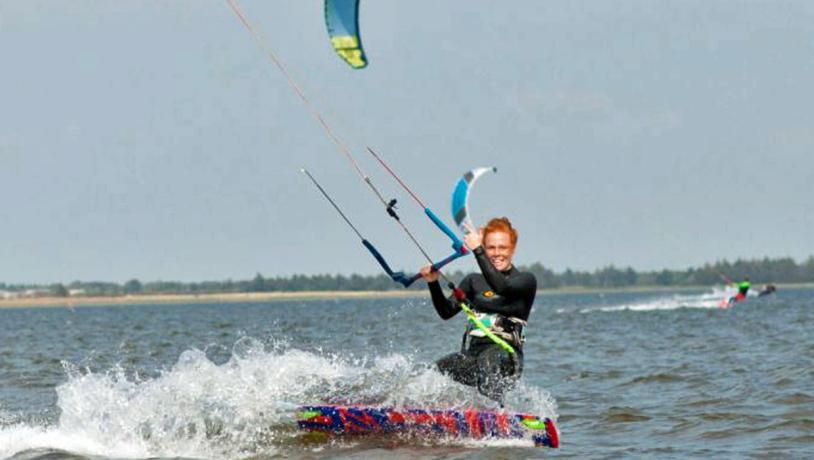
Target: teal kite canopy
{"points": [[460, 198], [342, 22]]}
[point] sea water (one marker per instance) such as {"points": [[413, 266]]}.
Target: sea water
{"points": [[633, 375]]}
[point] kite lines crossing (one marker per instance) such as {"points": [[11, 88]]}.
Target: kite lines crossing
{"points": [[389, 205]]}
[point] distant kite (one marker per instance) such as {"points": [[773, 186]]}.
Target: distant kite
{"points": [[342, 22]]}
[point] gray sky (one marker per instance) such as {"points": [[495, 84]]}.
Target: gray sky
{"points": [[155, 140]]}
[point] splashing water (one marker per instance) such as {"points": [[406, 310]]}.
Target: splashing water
{"points": [[240, 408]]}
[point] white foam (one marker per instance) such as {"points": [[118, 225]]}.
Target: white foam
{"points": [[22, 437]]}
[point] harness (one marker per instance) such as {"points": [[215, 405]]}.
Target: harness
{"points": [[508, 328], [498, 328]]}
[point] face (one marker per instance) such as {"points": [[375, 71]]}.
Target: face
{"points": [[499, 249]]}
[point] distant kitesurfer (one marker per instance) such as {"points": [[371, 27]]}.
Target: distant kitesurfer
{"points": [[501, 297], [743, 288], [768, 289]]}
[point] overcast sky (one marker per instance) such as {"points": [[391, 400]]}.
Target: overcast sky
{"points": [[155, 140]]}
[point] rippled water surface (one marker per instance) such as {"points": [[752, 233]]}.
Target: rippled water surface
{"points": [[647, 375]]}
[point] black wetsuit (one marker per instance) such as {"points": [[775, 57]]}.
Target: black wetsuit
{"points": [[481, 362]]}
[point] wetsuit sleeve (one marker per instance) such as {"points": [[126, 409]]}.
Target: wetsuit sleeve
{"points": [[446, 307], [523, 286]]}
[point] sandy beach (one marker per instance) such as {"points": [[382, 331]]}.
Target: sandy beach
{"points": [[200, 298]]}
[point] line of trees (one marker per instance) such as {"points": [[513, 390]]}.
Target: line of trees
{"points": [[780, 270]]}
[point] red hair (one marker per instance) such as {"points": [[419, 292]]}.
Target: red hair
{"points": [[503, 225]]}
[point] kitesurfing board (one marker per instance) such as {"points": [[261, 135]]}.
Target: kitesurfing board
{"points": [[467, 423]]}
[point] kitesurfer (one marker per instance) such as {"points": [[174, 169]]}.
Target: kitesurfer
{"points": [[768, 289], [743, 288], [501, 297]]}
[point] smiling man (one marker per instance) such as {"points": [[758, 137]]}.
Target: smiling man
{"points": [[501, 298]]}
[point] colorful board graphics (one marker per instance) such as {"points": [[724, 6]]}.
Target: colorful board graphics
{"points": [[470, 423]]}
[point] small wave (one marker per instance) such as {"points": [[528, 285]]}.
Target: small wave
{"points": [[714, 402], [624, 415], [722, 434], [805, 425], [721, 416], [655, 378], [789, 440], [582, 375], [794, 399]]}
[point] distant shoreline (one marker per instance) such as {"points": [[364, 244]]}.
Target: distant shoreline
{"points": [[251, 297], [165, 299]]}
